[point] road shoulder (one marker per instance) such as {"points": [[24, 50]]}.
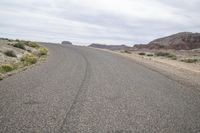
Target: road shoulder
{"points": [[183, 75]]}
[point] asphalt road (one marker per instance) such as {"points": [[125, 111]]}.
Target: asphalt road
{"points": [[79, 89]]}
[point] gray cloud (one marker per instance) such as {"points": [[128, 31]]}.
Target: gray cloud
{"points": [[102, 21]]}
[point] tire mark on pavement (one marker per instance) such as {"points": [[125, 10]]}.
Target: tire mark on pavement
{"points": [[80, 92]]}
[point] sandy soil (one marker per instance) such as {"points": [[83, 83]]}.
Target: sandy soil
{"points": [[185, 73], [191, 67]]}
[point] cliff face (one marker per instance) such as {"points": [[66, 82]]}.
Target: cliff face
{"points": [[180, 41]]}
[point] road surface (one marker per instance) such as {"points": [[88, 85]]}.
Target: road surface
{"points": [[80, 89]]}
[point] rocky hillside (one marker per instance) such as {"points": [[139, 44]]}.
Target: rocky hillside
{"points": [[179, 41], [110, 47]]}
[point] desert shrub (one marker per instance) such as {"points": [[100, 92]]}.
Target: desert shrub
{"points": [[149, 54], [29, 59], [5, 39], [172, 56], [20, 45], [10, 44], [9, 40], [127, 51], [10, 53], [42, 51], [166, 54], [6, 68], [162, 54], [142, 53], [17, 40], [189, 60], [1, 76], [32, 44]]}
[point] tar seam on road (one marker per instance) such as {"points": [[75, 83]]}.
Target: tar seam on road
{"points": [[86, 75]]}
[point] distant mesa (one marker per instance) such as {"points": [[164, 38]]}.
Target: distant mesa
{"points": [[66, 43], [179, 41], [110, 47]]}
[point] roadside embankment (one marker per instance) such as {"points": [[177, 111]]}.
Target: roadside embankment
{"points": [[16, 55]]}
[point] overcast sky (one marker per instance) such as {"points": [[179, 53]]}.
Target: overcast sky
{"points": [[99, 21]]}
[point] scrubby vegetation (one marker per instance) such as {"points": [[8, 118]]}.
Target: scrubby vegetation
{"points": [[30, 53], [42, 51], [127, 51], [4, 68], [20, 45], [29, 59], [166, 54], [189, 60], [149, 54], [142, 53], [32, 44], [172, 56], [10, 53], [17, 40], [1, 76]]}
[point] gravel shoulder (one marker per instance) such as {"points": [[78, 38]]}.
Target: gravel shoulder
{"points": [[187, 74]]}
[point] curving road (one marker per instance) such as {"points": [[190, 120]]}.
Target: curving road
{"points": [[79, 89]]}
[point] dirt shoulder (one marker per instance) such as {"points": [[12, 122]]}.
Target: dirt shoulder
{"points": [[184, 73]]}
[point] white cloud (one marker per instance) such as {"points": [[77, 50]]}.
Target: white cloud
{"points": [[104, 21]]}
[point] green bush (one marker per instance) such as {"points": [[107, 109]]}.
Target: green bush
{"points": [[166, 54], [42, 51], [149, 54], [17, 40], [6, 68], [20, 45], [127, 51], [173, 57], [10, 53], [142, 53], [32, 44], [162, 54], [29, 59], [1, 77], [189, 60], [10, 40]]}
